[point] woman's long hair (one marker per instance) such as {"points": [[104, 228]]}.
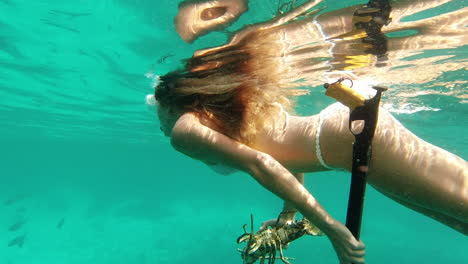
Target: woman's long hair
{"points": [[237, 87]]}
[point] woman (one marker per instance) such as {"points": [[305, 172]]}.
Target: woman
{"points": [[229, 107]]}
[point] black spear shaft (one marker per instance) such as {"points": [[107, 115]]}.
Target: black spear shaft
{"points": [[362, 150]]}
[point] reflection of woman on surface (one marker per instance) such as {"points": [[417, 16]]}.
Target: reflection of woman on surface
{"points": [[226, 108]]}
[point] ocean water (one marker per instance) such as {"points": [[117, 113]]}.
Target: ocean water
{"points": [[86, 176]]}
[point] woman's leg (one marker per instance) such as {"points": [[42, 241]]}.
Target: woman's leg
{"points": [[422, 175], [454, 223]]}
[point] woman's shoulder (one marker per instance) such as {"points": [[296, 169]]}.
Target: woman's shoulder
{"points": [[183, 129], [184, 122]]}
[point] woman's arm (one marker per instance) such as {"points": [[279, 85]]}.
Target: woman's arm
{"points": [[289, 210], [288, 207], [288, 214], [194, 139]]}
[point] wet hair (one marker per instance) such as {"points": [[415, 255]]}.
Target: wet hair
{"points": [[235, 87]]}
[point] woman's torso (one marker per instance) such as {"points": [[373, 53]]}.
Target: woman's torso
{"points": [[294, 146], [292, 141]]}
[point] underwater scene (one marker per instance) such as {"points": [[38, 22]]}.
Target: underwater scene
{"points": [[87, 175]]}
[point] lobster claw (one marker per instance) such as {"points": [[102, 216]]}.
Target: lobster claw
{"points": [[254, 247], [311, 229], [243, 238]]}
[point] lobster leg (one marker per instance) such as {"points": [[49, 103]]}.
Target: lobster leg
{"points": [[282, 256], [263, 260], [273, 258], [270, 260]]}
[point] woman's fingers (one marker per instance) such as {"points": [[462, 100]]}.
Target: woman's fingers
{"points": [[348, 249], [360, 245], [268, 223], [352, 259], [358, 253], [358, 249], [356, 260]]}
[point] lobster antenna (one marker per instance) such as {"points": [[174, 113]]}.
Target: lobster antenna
{"points": [[250, 239], [251, 224], [243, 227]]}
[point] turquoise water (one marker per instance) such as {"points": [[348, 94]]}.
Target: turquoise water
{"points": [[87, 177]]}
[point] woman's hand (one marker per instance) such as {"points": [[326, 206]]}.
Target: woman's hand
{"points": [[347, 248], [284, 218]]}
